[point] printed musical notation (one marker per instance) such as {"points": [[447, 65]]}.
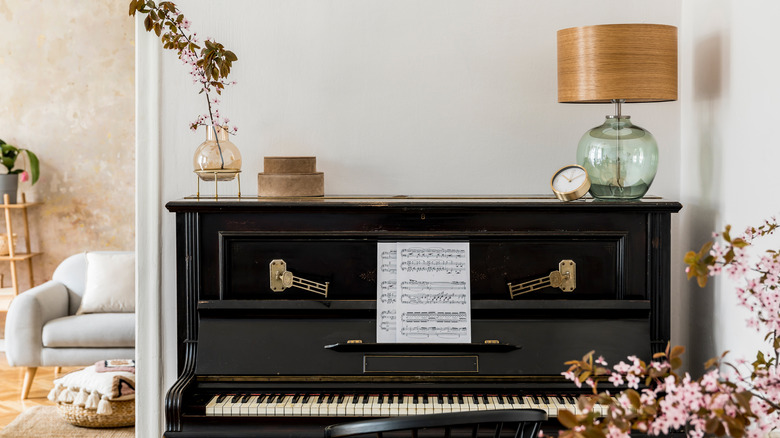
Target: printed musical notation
{"points": [[386, 292], [438, 298], [427, 332], [434, 285], [423, 292], [442, 317], [433, 281]]}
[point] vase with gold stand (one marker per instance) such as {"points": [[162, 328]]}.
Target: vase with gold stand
{"points": [[217, 159]]}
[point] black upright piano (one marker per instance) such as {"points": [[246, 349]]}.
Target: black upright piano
{"points": [[263, 352]]}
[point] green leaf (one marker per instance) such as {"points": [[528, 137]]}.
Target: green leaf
{"points": [[34, 166]]}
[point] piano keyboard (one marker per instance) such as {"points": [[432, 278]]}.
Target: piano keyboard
{"points": [[379, 405]]}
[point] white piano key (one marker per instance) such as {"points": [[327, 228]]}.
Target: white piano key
{"points": [[374, 408], [306, 409], [211, 406], [288, 408], [252, 406], [494, 403], [341, 408], [244, 407], [395, 406]]}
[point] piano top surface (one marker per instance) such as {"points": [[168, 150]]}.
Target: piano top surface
{"points": [[496, 201]]}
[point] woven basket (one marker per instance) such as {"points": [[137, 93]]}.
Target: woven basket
{"points": [[122, 414]]}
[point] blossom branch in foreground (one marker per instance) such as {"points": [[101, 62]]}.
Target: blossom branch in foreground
{"points": [[737, 399], [209, 68]]}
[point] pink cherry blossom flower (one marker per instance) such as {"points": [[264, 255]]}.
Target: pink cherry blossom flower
{"points": [[24, 176]]}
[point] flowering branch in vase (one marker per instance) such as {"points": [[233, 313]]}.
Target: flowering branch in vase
{"points": [[209, 65], [740, 399]]}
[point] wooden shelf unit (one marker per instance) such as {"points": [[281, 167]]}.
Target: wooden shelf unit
{"points": [[14, 256]]}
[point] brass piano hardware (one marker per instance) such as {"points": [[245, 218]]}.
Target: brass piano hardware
{"points": [[491, 341], [354, 341], [282, 279], [565, 278]]}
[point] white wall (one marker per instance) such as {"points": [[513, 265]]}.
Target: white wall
{"points": [[393, 97], [729, 153]]}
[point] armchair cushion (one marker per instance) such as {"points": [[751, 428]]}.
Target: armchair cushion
{"points": [[110, 284], [26, 316], [94, 330]]}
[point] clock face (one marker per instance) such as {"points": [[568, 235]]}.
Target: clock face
{"points": [[570, 183]]}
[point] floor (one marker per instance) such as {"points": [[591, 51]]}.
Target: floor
{"points": [[11, 383]]}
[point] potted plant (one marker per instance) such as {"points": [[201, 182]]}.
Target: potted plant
{"points": [[9, 182]]}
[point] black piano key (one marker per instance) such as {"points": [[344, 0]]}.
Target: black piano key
{"points": [[381, 399], [535, 399], [390, 398], [306, 398], [545, 399], [280, 398], [340, 399], [235, 398], [460, 399], [560, 399], [321, 398], [365, 399], [475, 399], [400, 398], [441, 399], [331, 397], [572, 399], [245, 399], [221, 398], [485, 399], [414, 399], [296, 398], [425, 399], [355, 398], [261, 398], [520, 399], [500, 399]]}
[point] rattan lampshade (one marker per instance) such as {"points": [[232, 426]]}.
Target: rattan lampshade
{"points": [[630, 62]]}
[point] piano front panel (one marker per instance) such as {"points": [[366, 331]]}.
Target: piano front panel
{"points": [[239, 340], [348, 264], [296, 346]]}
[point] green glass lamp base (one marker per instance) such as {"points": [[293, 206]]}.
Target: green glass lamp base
{"points": [[621, 159]]}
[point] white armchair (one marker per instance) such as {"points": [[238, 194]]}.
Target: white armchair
{"points": [[43, 329]]}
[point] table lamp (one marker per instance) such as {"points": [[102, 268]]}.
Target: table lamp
{"points": [[618, 63]]}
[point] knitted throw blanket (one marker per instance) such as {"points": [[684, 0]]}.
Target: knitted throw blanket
{"points": [[96, 386]]}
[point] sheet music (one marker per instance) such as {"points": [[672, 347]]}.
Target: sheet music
{"points": [[386, 291], [433, 302]]}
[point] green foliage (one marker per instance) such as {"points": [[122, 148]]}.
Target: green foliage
{"points": [[11, 153]]}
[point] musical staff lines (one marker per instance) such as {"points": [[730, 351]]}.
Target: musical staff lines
{"points": [[423, 292]]}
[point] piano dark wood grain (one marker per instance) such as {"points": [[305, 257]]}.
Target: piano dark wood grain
{"points": [[237, 336]]}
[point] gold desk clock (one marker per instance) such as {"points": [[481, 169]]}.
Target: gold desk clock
{"points": [[570, 183]]}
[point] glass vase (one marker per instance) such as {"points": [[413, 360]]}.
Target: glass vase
{"points": [[620, 157], [217, 158]]}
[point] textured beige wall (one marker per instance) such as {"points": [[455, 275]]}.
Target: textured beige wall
{"points": [[67, 94]]}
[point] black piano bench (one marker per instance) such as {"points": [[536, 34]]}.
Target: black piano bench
{"points": [[517, 423]]}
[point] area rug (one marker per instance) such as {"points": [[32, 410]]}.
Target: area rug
{"points": [[45, 421]]}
